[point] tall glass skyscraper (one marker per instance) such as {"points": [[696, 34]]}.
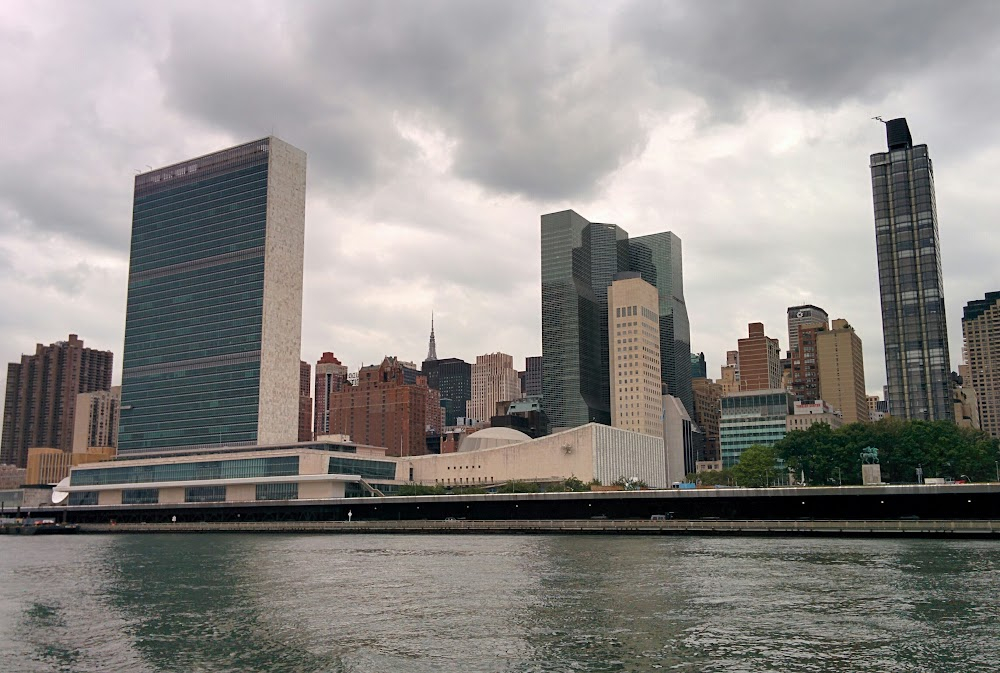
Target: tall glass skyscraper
{"points": [[214, 316], [579, 262], [917, 362], [658, 258]]}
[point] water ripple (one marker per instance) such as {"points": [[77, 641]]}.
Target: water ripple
{"points": [[214, 603]]}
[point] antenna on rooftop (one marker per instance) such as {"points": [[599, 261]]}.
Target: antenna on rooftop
{"points": [[878, 118]]}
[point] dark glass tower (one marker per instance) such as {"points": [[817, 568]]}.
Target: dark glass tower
{"points": [[658, 258], [214, 312], [917, 362], [452, 377], [579, 262]]}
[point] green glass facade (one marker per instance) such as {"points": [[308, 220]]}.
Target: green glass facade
{"points": [[205, 494], [245, 468], [82, 498], [753, 417], [579, 261], [368, 469], [191, 362], [277, 491], [140, 496]]}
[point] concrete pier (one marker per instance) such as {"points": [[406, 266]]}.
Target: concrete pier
{"points": [[823, 528]]}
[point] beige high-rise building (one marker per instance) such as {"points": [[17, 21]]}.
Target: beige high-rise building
{"points": [[634, 349], [96, 421], [807, 414], [494, 379], [981, 329], [842, 371], [730, 374]]}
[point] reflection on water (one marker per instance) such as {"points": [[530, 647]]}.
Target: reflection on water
{"points": [[468, 603]]}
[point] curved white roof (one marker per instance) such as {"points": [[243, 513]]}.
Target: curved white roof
{"points": [[490, 438]]}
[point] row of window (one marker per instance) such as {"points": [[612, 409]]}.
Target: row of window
{"points": [[279, 466], [243, 261], [238, 377], [220, 284], [151, 211], [368, 469], [162, 262], [216, 170], [166, 216], [233, 235]]}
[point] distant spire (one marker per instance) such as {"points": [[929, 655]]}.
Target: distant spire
{"points": [[432, 353]]}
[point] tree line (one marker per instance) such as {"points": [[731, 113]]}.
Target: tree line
{"points": [[826, 457]]}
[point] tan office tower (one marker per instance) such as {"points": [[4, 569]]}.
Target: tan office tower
{"points": [[96, 421], [759, 360], [730, 373], [494, 379], [842, 371], [981, 329], [634, 350]]}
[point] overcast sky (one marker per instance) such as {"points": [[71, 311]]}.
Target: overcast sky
{"points": [[439, 132]]}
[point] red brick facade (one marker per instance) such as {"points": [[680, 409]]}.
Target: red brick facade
{"points": [[760, 362], [383, 410], [40, 406]]}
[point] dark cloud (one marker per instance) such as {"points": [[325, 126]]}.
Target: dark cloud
{"points": [[527, 114], [816, 53], [438, 132]]}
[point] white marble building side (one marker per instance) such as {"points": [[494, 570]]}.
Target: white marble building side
{"points": [[674, 415], [281, 330], [588, 452], [620, 453]]}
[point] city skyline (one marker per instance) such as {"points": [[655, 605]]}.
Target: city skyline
{"points": [[739, 171]]}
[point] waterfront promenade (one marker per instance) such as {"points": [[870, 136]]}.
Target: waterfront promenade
{"points": [[824, 528]]}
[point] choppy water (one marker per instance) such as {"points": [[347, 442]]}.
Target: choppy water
{"points": [[475, 603]]}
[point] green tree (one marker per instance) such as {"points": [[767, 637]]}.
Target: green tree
{"points": [[468, 490], [757, 467], [940, 448], [712, 477], [519, 487], [420, 489], [575, 484], [630, 483]]}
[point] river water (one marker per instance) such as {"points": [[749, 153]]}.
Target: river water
{"points": [[367, 603]]}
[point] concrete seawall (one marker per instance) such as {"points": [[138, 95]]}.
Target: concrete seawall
{"points": [[824, 528]]}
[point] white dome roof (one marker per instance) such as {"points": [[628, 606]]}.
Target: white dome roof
{"points": [[491, 438]]}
